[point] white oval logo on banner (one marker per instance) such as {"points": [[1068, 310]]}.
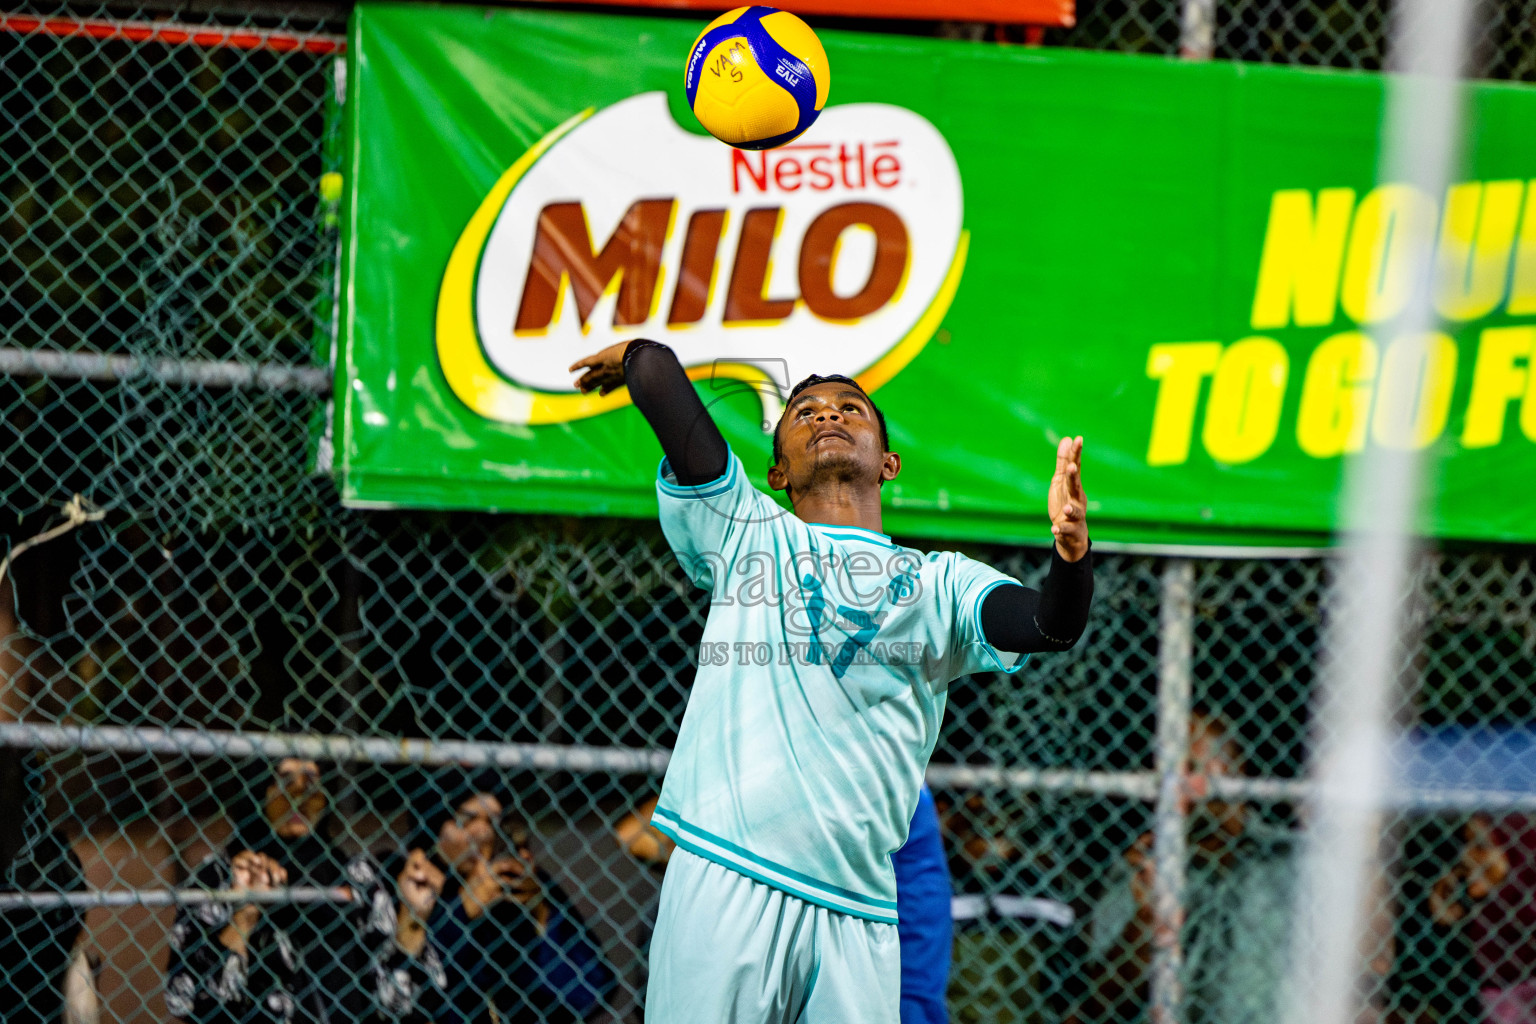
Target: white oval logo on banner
{"points": [[839, 253]]}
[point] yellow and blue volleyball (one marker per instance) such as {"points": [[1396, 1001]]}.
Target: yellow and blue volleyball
{"points": [[757, 77]]}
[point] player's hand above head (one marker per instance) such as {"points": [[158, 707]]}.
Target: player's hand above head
{"points": [[1066, 501], [605, 370]]}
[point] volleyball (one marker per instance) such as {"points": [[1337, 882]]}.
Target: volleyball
{"points": [[757, 77]]}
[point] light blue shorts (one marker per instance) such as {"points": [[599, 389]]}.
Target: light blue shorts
{"points": [[731, 950]]}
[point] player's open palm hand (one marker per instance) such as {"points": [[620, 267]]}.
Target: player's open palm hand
{"points": [[605, 370], [1067, 503]]}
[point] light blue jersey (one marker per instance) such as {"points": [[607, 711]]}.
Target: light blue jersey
{"points": [[823, 672]]}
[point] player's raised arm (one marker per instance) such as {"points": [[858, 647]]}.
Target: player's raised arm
{"points": [[1021, 619], [694, 446]]}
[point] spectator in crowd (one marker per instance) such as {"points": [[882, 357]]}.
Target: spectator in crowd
{"points": [[404, 979], [37, 945], [1238, 901], [233, 966], [517, 951], [466, 833], [1006, 921], [281, 961], [1503, 926], [1449, 869], [642, 841]]}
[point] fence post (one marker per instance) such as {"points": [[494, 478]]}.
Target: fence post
{"points": [[1175, 654], [1197, 30], [1197, 41]]}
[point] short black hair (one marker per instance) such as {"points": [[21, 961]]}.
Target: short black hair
{"points": [[812, 381]]}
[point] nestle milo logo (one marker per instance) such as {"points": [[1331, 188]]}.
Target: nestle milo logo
{"points": [[839, 253]]}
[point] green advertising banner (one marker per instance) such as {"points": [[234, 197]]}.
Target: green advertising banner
{"points": [[1192, 265]]}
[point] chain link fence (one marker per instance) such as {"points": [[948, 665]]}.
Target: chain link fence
{"points": [[1326, 33], [212, 676]]}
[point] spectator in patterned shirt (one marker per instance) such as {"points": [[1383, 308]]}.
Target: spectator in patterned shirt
{"points": [[280, 962], [232, 966], [403, 980]]}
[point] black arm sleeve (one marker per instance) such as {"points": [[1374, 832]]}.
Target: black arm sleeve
{"points": [[1017, 618], [694, 446]]}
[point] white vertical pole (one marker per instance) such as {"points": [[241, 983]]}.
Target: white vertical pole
{"points": [[1197, 41], [1353, 725], [1197, 30], [1175, 658]]}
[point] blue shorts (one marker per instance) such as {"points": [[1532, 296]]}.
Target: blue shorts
{"points": [[923, 894], [729, 948]]}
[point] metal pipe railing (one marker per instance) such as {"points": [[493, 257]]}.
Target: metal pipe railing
{"points": [[572, 757], [168, 897], [36, 362]]}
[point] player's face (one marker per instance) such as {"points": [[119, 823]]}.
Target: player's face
{"points": [[829, 432]]}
